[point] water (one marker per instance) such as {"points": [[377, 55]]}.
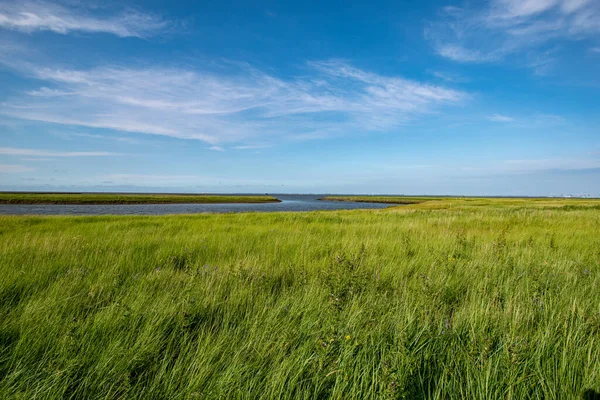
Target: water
{"points": [[288, 203]]}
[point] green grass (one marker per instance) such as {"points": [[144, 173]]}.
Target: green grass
{"points": [[87, 198], [447, 299]]}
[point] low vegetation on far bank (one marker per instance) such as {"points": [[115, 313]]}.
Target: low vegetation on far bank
{"points": [[447, 202], [447, 299], [380, 199], [109, 198]]}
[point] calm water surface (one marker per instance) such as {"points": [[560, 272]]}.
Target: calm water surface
{"points": [[288, 203]]}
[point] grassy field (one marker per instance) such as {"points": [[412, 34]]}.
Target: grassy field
{"points": [[447, 299], [87, 198]]}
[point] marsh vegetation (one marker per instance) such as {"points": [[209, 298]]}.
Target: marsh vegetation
{"points": [[114, 198], [445, 299]]}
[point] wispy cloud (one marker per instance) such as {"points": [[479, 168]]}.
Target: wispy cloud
{"points": [[237, 106], [503, 28], [500, 118], [10, 168], [537, 120], [548, 119], [12, 151], [216, 148], [449, 77], [251, 147], [30, 16], [458, 53], [105, 137]]}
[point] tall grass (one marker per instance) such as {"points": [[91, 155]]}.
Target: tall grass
{"points": [[427, 301]]}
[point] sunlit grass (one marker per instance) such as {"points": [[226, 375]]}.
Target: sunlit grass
{"points": [[444, 299]]}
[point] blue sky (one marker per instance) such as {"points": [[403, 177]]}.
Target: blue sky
{"points": [[498, 97]]}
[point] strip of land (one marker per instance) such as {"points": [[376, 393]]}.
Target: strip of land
{"points": [[449, 202], [380, 199], [94, 198]]}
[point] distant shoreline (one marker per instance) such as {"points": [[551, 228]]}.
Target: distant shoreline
{"points": [[379, 199], [408, 200], [104, 199]]}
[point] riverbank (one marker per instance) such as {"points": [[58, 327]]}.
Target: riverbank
{"points": [[101, 199]]}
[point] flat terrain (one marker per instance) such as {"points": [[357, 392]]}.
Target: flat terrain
{"points": [[447, 201], [451, 298], [85, 198], [381, 199]]}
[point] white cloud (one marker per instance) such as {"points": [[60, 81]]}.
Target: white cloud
{"points": [[570, 6], [30, 16], [216, 148], [521, 8], [461, 54], [500, 118], [542, 63], [244, 105], [548, 119], [530, 121], [12, 151], [104, 137], [46, 92], [449, 77], [10, 168], [251, 147], [503, 28]]}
